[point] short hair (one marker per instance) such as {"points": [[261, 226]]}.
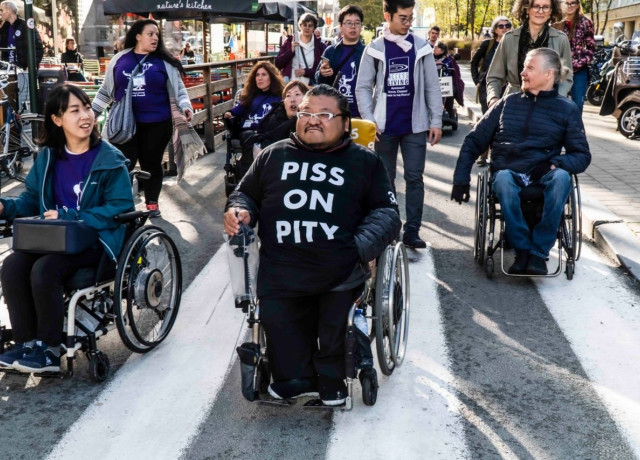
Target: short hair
{"points": [[294, 84], [330, 91], [494, 24], [350, 9], [436, 28], [391, 6], [308, 17], [57, 104], [521, 13], [12, 6], [551, 61], [69, 39]]}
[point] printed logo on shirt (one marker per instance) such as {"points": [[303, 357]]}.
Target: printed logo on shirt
{"points": [[77, 189], [398, 71], [392, 198], [345, 83], [255, 118], [139, 80]]}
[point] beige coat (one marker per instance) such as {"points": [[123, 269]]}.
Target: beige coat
{"points": [[504, 66]]}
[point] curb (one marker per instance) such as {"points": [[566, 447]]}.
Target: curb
{"points": [[607, 230]]}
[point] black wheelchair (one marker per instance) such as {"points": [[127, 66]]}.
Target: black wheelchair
{"points": [[139, 296], [384, 303], [488, 213]]}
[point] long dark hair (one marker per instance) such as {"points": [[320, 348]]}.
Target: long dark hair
{"points": [[57, 104], [251, 90], [161, 51]]}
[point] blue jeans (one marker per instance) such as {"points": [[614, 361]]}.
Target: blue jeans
{"points": [[579, 88], [507, 185], [414, 152]]}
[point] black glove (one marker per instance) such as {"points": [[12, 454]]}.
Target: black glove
{"points": [[460, 193], [536, 173]]}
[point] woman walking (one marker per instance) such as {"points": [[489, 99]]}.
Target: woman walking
{"points": [[156, 85]]}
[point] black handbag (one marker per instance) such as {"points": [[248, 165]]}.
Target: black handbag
{"points": [[42, 236]]}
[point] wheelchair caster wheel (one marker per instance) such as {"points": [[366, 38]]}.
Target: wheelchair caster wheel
{"points": [[99, 367], [570, 270], [488, 267], [369, 383]]}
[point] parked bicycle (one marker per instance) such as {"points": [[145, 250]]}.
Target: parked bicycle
{"points": [[16, 135]]}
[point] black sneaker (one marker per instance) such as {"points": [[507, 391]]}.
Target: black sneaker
{"points": [[519, 267], [537, 266], [17, 352], [154, 209], [333, 392], [40, 359], [412, 240], [294, 388]]}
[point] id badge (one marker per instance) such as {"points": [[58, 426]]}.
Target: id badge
{"points": [[139, 81], [247, 124]]}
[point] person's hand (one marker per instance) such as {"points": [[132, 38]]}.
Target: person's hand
{"points": [[493, 101], [51, 214], [299, 72], [460, 193], [1, 209], [325, 68], [435, 134], [188, 115], [232, 219], [539, 170], [293, 45], [227, 115]]}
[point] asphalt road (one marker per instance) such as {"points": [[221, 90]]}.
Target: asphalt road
{"points": [[502, 368]]}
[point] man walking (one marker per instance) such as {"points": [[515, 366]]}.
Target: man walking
{"points": [[398, 89], [340, 62]]}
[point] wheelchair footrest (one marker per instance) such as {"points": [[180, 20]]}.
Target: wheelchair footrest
{"points": [[267, 400], [56, 375], [317, 404]]}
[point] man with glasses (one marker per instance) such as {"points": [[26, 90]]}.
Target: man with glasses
{"points": [[340, 62], [298, 61], [325, 208], [398, 88]]}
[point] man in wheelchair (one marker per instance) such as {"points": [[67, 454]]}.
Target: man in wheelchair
{"points": [[77, 176], [527, 132], [325, 207]]}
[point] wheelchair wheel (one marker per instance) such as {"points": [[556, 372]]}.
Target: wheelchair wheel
{"points": [[99, 367], [148, 287], [369, 384], [392, 307], [264, 373], [482, 216], [572, 225]]}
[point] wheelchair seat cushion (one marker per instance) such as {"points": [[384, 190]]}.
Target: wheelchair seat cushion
{"points": [[531, 193], [235, 143], [86, 277]]}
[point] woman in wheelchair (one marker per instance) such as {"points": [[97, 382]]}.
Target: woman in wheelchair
{"points": [[77, 176], [262, 90], [527, 132]]}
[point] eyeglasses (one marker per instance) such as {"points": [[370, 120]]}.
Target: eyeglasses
{"points": [[540, 9], [571, 4], [322, 116], [405, 20], [350, 24], [504, 26]]}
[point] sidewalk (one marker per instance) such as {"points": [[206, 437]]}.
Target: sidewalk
{"points": [[610, 187]]}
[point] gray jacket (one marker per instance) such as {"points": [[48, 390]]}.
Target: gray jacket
{"points": [[427, 99], [504, 66], [106, 93]]}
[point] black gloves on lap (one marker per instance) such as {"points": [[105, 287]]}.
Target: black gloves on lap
{"points": [[460, 193], [536, 173]]}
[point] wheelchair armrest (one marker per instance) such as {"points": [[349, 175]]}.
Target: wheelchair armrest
{"points": [[129, 216]]}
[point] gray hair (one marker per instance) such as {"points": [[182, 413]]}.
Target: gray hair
{"points": [[551, 61], [494, 24], [12, 6]]}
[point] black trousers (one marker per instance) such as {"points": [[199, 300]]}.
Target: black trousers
{"points": [[33, 288], [147, 147], [305, 335]]}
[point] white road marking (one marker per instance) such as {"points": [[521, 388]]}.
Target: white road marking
{"points": [[601, 319], [417, 414], [155, 403]]}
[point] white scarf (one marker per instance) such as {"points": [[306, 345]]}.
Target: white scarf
{"points": [[400, 40]]}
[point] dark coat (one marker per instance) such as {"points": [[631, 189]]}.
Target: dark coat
{"points": [[481, 60], [71, 57], [276, 126], [524, 130], [20, 41], [285, 58]]}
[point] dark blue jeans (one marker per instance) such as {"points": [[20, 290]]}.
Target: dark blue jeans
{"points": [[579, 88], [414, 152], [507, 185]]}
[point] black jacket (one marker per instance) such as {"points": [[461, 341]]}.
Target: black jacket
{"points": [[275, 126], [20, 42], [71, 57], [322, 213], [483, 53], [523, 131]]}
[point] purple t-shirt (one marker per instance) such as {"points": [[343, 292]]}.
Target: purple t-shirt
{"points": [[150, 96], [398, 84], [348, 77], [69, 176]]}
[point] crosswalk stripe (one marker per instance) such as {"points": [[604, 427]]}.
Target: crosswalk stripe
{"points": [[604, 334], [417, 414], [155, 403]]}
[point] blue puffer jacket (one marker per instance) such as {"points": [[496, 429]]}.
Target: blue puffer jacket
{"points": [[107, 192], [525, 130]]}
